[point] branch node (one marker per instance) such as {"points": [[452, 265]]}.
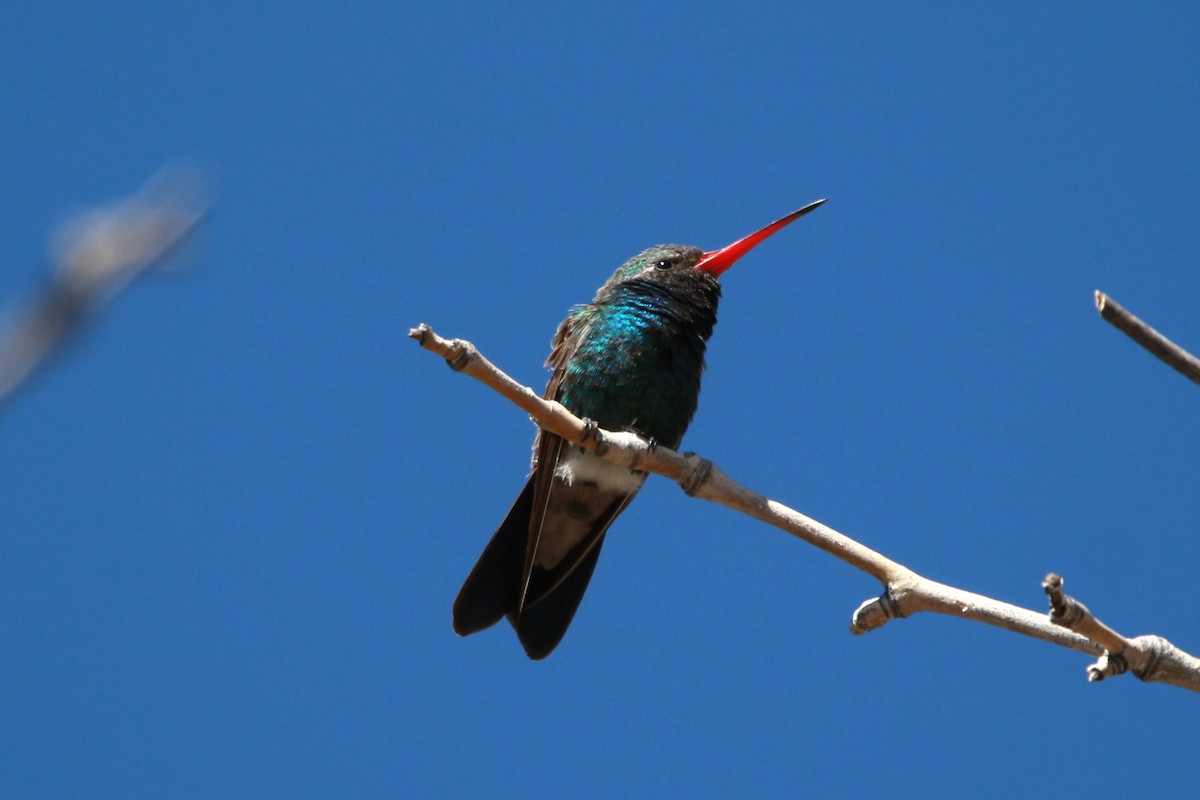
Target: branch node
{"points": [[874, 614], [1108, 665], [1155, 648], [1065, 610], [420, 333], [701, 471], [461, 354]]}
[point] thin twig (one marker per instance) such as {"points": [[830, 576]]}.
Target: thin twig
{"points": [[1151, 658], [96, 255], [905, 592], [1162, 347]]}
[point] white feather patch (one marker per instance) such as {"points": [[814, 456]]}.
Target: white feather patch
{"points": [[576, 465]]}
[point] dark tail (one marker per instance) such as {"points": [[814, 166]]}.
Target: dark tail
{"points": [[491, 590], [541, 627]]}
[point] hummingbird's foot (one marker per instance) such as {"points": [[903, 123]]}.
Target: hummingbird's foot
{"points": [[591, 430], [650, 441]]}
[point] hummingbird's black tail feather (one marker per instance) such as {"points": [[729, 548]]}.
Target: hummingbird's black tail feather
{"points": [[493, 587], [542, 626]]}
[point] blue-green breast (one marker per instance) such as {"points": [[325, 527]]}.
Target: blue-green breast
{"points": [[640, 352]]}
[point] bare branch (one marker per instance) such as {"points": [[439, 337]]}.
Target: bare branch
{"points": [[1166, 350], [96, 255], [905, 592]]}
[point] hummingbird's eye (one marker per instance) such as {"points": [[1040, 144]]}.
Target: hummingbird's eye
{"points": [[664, 264]]}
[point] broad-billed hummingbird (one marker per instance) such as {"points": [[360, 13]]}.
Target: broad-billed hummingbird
{"points": [[629, 360]]}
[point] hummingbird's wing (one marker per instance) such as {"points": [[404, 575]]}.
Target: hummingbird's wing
{"points": [[568, 519], [496, 586], [538, 563]]}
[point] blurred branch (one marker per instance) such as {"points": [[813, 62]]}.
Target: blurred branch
{"points": [[1171, 353], [96, 254], [905, 592]]}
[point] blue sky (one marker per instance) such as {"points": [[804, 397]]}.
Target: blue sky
{"points": [[237, 513]]}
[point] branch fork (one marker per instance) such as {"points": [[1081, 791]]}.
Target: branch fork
{"points": [[1150, 658]]}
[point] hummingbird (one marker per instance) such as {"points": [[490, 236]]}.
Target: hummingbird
{"points": [[629, 360]]}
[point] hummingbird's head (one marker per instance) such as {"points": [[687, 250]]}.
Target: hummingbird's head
{"points": [[666, 261], [654, 262]]}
